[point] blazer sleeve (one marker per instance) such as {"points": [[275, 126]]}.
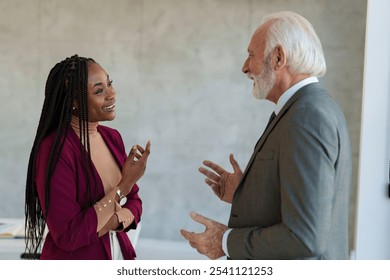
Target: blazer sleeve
{"points": [[70, 226], [134, 204], [307, 159]]}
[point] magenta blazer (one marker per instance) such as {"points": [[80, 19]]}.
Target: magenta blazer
{"points": [[72, 230]]}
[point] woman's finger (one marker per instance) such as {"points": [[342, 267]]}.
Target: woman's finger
{"points": [[133, 150], [140, 149]]}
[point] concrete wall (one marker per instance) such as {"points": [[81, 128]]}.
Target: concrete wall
{"points": [[176, 65]]}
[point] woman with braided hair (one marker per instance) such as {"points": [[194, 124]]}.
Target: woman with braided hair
{"points": [[81, 184]]}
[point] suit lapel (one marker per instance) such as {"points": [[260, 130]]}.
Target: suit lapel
{"points": [[308, 89]]}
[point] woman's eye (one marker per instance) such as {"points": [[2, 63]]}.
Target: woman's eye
{"points": [[99, 91], [110, 82]]}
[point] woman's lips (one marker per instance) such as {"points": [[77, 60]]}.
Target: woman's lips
{"points": [[109, 108]]}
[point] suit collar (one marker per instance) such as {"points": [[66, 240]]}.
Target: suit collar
{"points": [[285, 97]]}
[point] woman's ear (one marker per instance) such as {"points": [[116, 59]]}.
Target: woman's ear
{"points": [[75, 105]]}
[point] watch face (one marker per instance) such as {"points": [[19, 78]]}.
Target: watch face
{"points": [[123, 201]]}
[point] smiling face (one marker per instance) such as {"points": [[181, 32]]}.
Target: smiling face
{"points": [[101, 94], [265, 81], [257, 67]]}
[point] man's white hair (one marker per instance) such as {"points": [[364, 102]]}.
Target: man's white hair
{"points": [[304, 53]]}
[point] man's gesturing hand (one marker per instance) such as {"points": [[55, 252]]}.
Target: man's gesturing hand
{"points": [[223, 183], [209, 242]]}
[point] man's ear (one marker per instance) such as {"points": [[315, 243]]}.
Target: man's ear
{"points": [[279, 57]]}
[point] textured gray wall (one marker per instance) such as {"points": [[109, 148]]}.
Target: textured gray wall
{"points": [[176, 66]]}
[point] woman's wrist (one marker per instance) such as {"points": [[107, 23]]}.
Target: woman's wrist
{"points": [[125, 187]]}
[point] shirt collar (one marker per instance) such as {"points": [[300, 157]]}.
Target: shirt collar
{"points": [[285, 97]]}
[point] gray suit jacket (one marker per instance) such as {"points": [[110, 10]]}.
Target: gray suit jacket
{"points": [[292, 202]]}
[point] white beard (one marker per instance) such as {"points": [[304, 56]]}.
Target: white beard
{"points": [[264, 82]]}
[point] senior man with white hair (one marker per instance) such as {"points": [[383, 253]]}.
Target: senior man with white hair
{"points": [[291, 202]]}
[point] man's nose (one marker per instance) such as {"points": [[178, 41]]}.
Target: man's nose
{"points": [[245, 68]]}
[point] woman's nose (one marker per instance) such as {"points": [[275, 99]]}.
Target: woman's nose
{"points": [[111, 93]]}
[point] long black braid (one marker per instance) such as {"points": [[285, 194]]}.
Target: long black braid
{"points": [[67, 82]]}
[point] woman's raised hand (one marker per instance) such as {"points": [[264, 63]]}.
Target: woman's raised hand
{"points": [[135, 165]]}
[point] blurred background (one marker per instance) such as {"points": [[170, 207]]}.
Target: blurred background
{"points": [[176, 67]]}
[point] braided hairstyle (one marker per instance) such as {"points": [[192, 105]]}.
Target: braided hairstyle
{"points": [[67, 82]]}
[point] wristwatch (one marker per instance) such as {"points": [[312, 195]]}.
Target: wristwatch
{"points": [[122, 198]]}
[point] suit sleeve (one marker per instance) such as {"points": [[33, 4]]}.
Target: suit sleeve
{"points": [[307, 158]]}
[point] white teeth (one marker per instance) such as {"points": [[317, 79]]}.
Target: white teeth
{"points": [[109, 107]]}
